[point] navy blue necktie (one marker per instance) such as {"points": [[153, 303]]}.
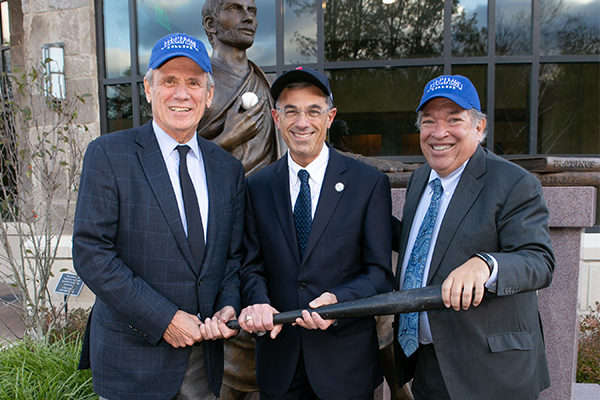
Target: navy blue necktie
{"points": [[303, 212], [195, 230], [413, 276]]}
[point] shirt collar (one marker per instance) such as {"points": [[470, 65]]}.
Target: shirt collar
{"points": [[316, 169], [167, 144], [450, 181]]}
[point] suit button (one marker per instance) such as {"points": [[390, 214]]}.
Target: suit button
{"points": [[200, 282], [301, 285]]}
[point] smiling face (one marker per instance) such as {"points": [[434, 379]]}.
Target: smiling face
{"points": [[448, 136], [178, 95], [235, 24], [304, 136]]}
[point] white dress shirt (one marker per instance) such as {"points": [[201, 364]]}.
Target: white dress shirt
{"points": [[316, 169], [449, 184], [195, 165]]}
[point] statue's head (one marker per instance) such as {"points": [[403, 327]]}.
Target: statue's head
{"points": [[231, 22]]}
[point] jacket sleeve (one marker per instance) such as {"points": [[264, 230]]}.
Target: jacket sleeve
{"points": [[253, 276], [525, 260], [229, 294], [95, 255]]}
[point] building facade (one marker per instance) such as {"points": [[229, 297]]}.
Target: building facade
{"points": [[535, 63]]}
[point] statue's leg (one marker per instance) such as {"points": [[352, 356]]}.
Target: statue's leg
{"points": [[229, 393], [239, 379], [388, 366]]}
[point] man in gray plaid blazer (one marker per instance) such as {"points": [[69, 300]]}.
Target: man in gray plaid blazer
{"points": [[165, 283]]}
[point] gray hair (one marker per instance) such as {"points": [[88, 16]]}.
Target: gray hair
{"points": [[210, 82], [303, 85], [476, 118]]}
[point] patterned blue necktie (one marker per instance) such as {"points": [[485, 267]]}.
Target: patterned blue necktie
{"points": [[302, 212], [413, 276]]}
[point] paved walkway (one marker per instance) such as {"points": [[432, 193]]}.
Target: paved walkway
{"points": [[586, 391], [11, 326]]}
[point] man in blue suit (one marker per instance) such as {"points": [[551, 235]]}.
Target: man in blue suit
{"points": [[318, 232], [157, 237], [473, 223]]}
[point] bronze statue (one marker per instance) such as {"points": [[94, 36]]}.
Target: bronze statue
{"points": [[247, 134]]}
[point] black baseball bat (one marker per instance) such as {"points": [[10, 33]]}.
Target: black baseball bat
{"points": [[403, 301]]}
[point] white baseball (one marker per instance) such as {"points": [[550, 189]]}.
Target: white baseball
{"points": [[249, 99]]}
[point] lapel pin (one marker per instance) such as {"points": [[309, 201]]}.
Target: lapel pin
{"points": [[339, 187]]}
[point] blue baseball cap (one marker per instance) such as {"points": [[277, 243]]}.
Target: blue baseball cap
{"points": [[301, 74], [457, 88], [176, 45]]}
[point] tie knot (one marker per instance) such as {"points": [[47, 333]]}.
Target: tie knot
{"points": [[303, 175], [183, 150]]}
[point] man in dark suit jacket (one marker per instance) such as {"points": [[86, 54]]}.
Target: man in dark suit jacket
{"points": [[337, 249], [161, 297], [490, 235]]}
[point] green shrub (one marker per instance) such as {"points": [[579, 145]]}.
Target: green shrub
{"points": [[44, 369], [588, 360]]}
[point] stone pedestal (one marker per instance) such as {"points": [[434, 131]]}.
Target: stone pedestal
{"points": [[571, 209]]}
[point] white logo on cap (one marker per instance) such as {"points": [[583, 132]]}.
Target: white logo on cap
{"points": [[445, 83], [179, 42]]}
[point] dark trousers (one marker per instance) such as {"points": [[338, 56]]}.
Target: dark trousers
{"points": [[195, 382], [428, 382], [300, 388]]}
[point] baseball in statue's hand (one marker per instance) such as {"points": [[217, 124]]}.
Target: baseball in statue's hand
{"points": [[249, 100]]}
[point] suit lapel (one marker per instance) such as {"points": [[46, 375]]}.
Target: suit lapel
{"points": [[157, 176], [414, 192], [280, 189], [214, 182], [328, 199], [468, 189]]}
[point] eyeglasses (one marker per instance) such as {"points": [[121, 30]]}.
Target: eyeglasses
{"points": [[292, 114]]}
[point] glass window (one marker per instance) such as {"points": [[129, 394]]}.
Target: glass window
{"points": [[300, 31], [511, 125], [5, 23], [378, 106], [158, 18], [569, 100], [372, 30], [570, 27], [117, 50], [469, 28], [145, 108], [359, 37], [118, 107], [262, 51], [513, 27]]}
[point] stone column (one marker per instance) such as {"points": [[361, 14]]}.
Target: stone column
{"points": [[571, 209]]}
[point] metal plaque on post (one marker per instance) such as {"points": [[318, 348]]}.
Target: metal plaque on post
{"points": [[69, 284]]}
